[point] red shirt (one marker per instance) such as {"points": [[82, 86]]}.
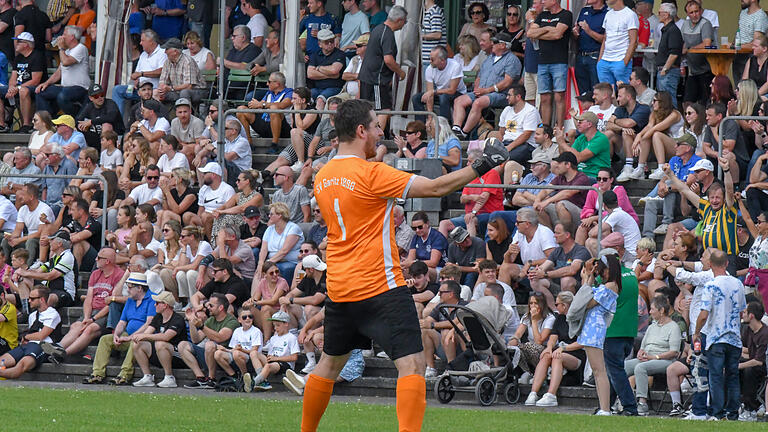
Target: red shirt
{"points": [[644, 31], [495, 200], [103, 286]]}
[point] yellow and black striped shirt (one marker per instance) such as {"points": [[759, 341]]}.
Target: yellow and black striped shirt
{"points": [[718, 227]]}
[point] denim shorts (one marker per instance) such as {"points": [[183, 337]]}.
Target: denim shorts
{"points": [[552, 77], [497, 99]]}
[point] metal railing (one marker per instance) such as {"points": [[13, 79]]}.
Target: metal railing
{"points": [[559, 188], [720, 146], [75, 177]]}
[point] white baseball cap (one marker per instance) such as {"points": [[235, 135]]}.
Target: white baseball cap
{"points": [[25, 36], [313, 262], [211, 167], [703, 164]]}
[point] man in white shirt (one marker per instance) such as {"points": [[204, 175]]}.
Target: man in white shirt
{"points": [[603, 107], [618, 221], [213, 194], [533, 242], [148, 192], [148, 68], [517, 123], [621, 25], [154, 126], [170, 157], [28, 217], [8, 215], [257, 23], [445, 81], [73, 74], [236, 148]]}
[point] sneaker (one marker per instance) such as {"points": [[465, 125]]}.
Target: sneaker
{"points": [[525, 378], [382, 355], [748, 416], [761, 411], [368, 353], [677, 410], [628, 173], [247, 383], [531, 399], [25, 129], [145, 381], [429, 373], [55, 351], [294, 382], [693, 416], [263, 386], [4, 129], [590, 382], [459, 133], [201, 383], [548, 400], [642, 408], [602, 413], [309, 368], [168, 382], [616, 408], [296, 167], [657, 174], [273, 149], [661, 229]]}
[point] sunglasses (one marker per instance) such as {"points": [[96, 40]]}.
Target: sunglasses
{"points": [[272, 273], [153, 177], [34, 298], [476, 12], [692, 112], [166, 230], [417, 227], [245, 317], [513, 14], [603, 179], [316, 211], [217, 270], [411, 132], [444, 292]]}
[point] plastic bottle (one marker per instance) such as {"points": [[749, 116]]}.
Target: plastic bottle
{"points": [[697, 347], [2, 364], [737, 41], [515, 176]]}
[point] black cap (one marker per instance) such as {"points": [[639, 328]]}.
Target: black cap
{"points": [[95, 89], [154, 105], [173, 43], [251, 211], [586, 96], [61, 234], [502, 37], [740, 222], [567, 157]]}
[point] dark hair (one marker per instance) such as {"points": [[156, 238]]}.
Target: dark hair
{"points": [[224, 264], [547, 130], [629, 89], [613, 267], [420, 215], [541, 301], [669, 292], [149, 210], [718, 108], [487, 264], [82, 204], [486, 12], [518, 89], [756, 309], [252, 176], [419, 126], [222, 299], [701, 118], [501, 226], [661, 303], [351, 114], [418, 268], [131, 212], [170, 139], [152, 167], [303, 93], [608, 170], [610, 199], [642, 74], [109, 135], [567, 227], [496, 290], [722, 89], [43, 291], [689, 242], [311, 243], [332, 135], [453, 286]]}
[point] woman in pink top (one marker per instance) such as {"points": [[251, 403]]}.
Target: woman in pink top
{"points": [[605, 182], [265, 296]]}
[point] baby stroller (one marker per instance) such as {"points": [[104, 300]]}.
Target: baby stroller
{"points": [[481, 379]]}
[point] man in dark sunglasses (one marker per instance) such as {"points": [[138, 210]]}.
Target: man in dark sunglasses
{"points": [[85, 234], [148, 192], [225, 282], [436, 328]]}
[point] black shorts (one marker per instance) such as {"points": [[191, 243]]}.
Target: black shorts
{"points": [[29, 349], [283, 367], [65, 300], [263, 128], [5, 346], [380, 95], [389, 319], [89, 260]]}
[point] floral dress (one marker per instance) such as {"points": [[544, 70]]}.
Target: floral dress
{"points": [[758, 253], [229, 219], [594, 328]]}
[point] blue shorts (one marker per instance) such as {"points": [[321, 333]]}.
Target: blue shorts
{"points": [[553, 77], [612, 71], [30, 349], [689, 223], [497, 99]]}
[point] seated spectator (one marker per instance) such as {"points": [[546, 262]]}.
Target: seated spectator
{"points": [[629, 118], [617, 220], [85, 235], [493, 79], [195, 249], [169, 254], [420, 286], [137, 314], [645, 263], [271, 58], [565, 205], [265, 296], [729, 133], [403, 232], [44, 324], [351, 89], [540, 175], [179, 198], [498, 242], [161, 338], [126, 219], [252, 230], [170, 156], [237, 151], [148, 69], [532, 243], [562, 269], [89, 165], [243, 52], [137, 158], [754, 336], [231, 212], [306, 145], [445, 82], [9, 329], [605, 182], [187, 128], [43, 129], [428, 245], [29, 71], [111, 157], [101, 286], [57, 164], [465, 251], [29, 221], [603, 107], [517, 124], [22, 164], [659, 349], [469, 54], [281, 241], [213, 194], [294, 196], [180, 76], [695, 123], [319, 231], [225, 282], [536, 326], [562, 353], [489, 276], [592, 148], [444, 146], [134, 110], [244, 345], [205, 336], [142, 242], [99, 115], [17, 285], [73, 74], [229, 246], [202, 56], [685, 248], [413, 145], [270, 125], [325, 67], [283, 351], [148, 192], [153, 126], [435, 328]]}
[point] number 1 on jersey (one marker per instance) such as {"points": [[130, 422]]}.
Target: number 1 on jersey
{"points": [[337, 209]]}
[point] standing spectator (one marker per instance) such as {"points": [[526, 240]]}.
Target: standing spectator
{"points": [[550, 29], [517, 124], [148, 69], [180, 77], [34, 21], [754, 337], [73, 74], [670, 52], [354, 25], [374, 12], [590, 34], [621, 25], [325, 66], [592, 148], [753, 21], [318, 19], [515, 30], [444, 83], [167, 18], [380, 65], [7, 13], [697, 32], [83, 17], [531, 57], [433, 30], [257, 23], [478, 14], [722, 303], [755, 67]]}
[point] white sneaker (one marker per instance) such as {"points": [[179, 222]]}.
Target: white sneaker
{"points": [[661, 229], [309, 368], [168, 382], [145, 381], [382, 355], [761, 411], [657, 174], [367, 353], [748, 416], [548, 400], [296, 167], [294, 382], [531, 399], [430, 372], [693, 416], [625, 174], [602, 413]]}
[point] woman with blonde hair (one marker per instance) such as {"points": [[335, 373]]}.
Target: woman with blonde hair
{"points": [[168, 256], [137, 157], [470, 56], [194, 250], [199, 53], [231, 212], [179, 198], [448, 146], [280, 243]]}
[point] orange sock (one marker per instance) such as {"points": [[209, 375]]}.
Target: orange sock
{"points": [[317, 393], [411, 402]]}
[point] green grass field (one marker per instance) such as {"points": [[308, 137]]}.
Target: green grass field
{"points": [[26, 409]]}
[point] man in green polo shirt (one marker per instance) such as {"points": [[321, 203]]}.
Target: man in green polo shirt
{"points": [[591, 147]]}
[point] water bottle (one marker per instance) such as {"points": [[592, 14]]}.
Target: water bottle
{"points": [[515, 176], [2, 364], [737, 41]]}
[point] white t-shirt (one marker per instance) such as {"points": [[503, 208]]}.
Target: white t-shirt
{"points": [[9, 214], [509, 295], [542, 240], [515, 124], [247, 339], [213, 199], [602, 115], [650, 267], [161, 124], [242, 148], [353, 87], [166, 165], [284, 345], [150, 62], [258, 26], [617, 25], [442, 78], [200, 58], [111, 161], [154, 246], [621, 221], [76, 74], [49, 318], [203, 249], [466, 295], [142, 193], [31, 218]]}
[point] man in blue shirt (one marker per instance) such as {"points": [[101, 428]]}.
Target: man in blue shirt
{"points": [[682, 163], [58, 164], [325, 67], [427, 245], [137, 314], [590, 33], [318, 19], [70, 139]]}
